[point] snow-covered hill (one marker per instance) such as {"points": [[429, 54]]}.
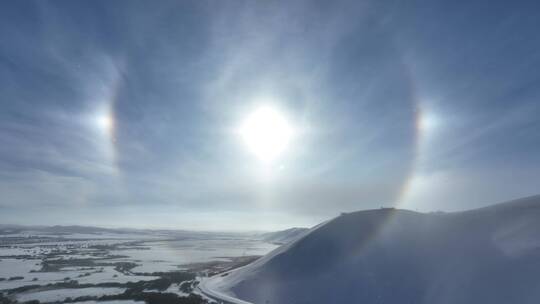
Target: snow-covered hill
{"points": [[284, 236], [489, 255]]}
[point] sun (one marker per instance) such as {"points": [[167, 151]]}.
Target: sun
{"points": [[266, 133]]}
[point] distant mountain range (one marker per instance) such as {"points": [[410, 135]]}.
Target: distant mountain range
{"points": [[276, 237], [57, 229], [488, 255]]}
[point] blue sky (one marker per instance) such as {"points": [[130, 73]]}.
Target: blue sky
{"points": [[428, 105]]}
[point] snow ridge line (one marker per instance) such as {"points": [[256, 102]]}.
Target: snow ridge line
{"points": [[218, 296]]}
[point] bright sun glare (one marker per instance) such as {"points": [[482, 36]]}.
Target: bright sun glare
{"points": [[266, 133]]}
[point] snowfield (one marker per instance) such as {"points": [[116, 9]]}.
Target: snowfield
{"points": [[61, 294], [488, 255], [51, 264]]}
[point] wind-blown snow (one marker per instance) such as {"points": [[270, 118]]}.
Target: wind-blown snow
{"points": [[284, 236], [489, 255]]}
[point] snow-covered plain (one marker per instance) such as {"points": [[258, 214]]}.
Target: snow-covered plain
{"points": [[112, 302], [489, 255], [44, 257], [61, 294], [168, 255]]}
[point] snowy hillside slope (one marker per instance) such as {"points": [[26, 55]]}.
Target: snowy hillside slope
{"points": [[284, 236], [487, 255]]}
